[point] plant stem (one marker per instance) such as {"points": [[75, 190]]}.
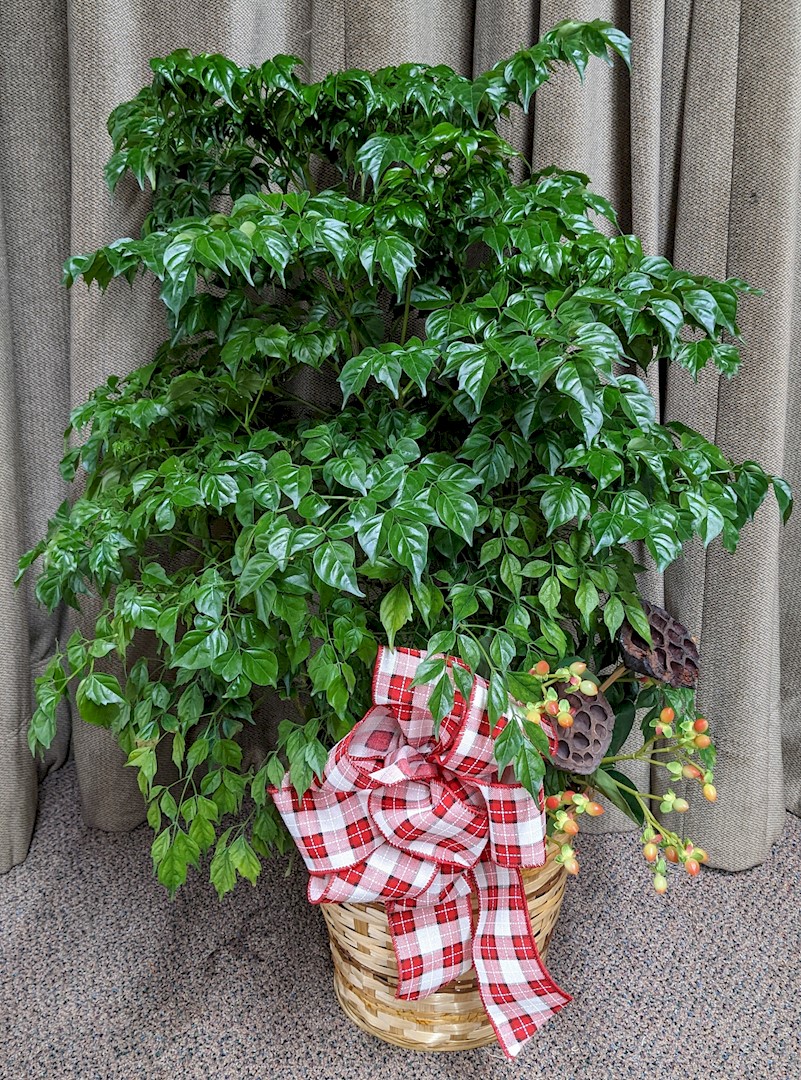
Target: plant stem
{"points": [[616, 674], [638, 757], [310, 184], [286, 396], [250, 413], [635, 757], [446, 405], [192, 547], [640, 795], [407, 305]]}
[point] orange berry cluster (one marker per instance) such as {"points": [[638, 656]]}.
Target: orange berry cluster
{"points": [[563, 809], [691, 735], [552, 705], [686, 735], [659, 850]]}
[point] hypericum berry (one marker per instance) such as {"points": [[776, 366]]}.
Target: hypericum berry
{"points": [[710, 792], [668, 715], [660, 884], [693, 867], [578, 667], [691, 772], [588, 688], [701, 725], [702, 741], [541, 668], [534, 715], [700, 855], [671, 854], [565, 719], [553, 802], [575, 680], [567, 796], [572, 866], [594, 809], [650, 852], [681, 806], [552, 708], [570, 827]]}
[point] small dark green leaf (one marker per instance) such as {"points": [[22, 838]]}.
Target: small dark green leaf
{"points": [[607, 781], [508, 743], [395, 611], [784, 497]]}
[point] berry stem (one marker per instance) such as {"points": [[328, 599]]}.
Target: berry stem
{"points": [[638, 756], [616, 674], [640, 795]]}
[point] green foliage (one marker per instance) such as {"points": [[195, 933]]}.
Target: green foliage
{"points": [[472, 483]]}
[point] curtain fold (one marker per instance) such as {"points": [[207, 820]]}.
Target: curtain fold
{"points": [[701, 153], [34, 379], [19, 783], [743, 119]]}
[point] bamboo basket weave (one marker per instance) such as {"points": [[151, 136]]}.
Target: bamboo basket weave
{"points": [[453, 1018]]}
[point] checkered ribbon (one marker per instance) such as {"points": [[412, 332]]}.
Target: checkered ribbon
{"points": [[419, 823]]}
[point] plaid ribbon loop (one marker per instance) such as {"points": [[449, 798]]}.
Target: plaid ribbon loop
{"points": [[420, 821]]}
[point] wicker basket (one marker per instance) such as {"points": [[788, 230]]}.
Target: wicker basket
{"points": [[453, 1018]]}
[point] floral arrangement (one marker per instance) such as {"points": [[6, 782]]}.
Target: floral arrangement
{"points": [[468, 480]]}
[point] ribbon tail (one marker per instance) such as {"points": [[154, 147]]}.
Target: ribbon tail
{"points": [[431, 942], [518, 994]]}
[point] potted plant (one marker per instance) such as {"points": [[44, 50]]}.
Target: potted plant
{"points": [[468, 485]]}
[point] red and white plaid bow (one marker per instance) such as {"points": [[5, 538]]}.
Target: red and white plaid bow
{"points": [[421, 822]]}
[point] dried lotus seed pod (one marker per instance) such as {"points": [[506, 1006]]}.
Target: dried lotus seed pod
{"points": [[673, 659], [581, 747]]}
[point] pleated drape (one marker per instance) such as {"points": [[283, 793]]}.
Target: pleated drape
{"points": [[700, 152]]}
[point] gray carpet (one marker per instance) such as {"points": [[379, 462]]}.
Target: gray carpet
{"points": [[102, 977]]}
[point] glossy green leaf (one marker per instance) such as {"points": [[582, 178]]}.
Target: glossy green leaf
{"points": [[395, 611], [701, 305], [613, 614], [198, 648], [669, 314], [608, 782], [457, 511], [784, 497], [260, 666], [397, 258], [408, 544], [99, 698], [334, 563], [476, 373]]}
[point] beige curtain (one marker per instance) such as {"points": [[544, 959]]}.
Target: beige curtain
{"points": [[700, 152]]}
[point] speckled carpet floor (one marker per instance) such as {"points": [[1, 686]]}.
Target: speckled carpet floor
{"points": [[102, 977]]}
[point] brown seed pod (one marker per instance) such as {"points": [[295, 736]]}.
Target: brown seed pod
{"points": [[674, 657], [581, 747]]}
